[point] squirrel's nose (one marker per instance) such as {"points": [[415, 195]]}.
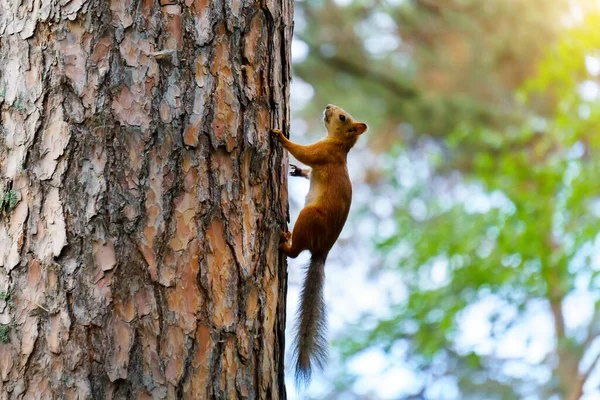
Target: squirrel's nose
{"points": [[328, 106]]}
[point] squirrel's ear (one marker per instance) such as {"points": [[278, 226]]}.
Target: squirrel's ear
{"points": [[360, 128]]}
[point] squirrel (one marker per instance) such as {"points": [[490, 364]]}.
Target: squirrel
{"points": [[318, 226]]}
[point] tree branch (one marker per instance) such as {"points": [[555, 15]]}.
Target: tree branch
{"points": [[361, 71], [577, 390]]}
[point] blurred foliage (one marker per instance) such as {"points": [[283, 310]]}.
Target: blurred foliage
{"points": [[434, 64], [496, 106]]}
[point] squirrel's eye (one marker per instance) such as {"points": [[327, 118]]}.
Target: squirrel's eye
{"points": [[342, 117]]}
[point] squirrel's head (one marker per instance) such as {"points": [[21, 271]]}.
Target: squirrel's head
{"points": [[341, 124]]}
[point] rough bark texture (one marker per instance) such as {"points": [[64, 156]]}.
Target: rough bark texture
{"points": [[140, 258]]}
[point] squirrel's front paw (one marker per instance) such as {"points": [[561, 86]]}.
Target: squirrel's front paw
{"points": [[295, 170], [277, 133]]}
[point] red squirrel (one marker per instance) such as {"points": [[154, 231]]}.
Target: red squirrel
{"points": [[318, 226]]}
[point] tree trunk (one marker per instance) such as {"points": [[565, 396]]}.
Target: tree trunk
{"points": [[145, 198]]}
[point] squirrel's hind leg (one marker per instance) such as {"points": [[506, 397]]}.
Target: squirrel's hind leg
{"points": [[305, 235], [289, 250]]}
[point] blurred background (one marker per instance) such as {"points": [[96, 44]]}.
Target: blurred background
{"points": [[469, 267]]}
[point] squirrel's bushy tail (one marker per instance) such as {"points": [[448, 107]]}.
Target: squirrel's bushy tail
{"points": [[310, 344]]}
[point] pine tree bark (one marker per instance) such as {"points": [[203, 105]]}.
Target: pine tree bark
{"points": [[139, 240]]}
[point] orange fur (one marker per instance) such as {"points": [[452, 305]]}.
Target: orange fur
{"points": [[328, 201], [319, 224]]}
